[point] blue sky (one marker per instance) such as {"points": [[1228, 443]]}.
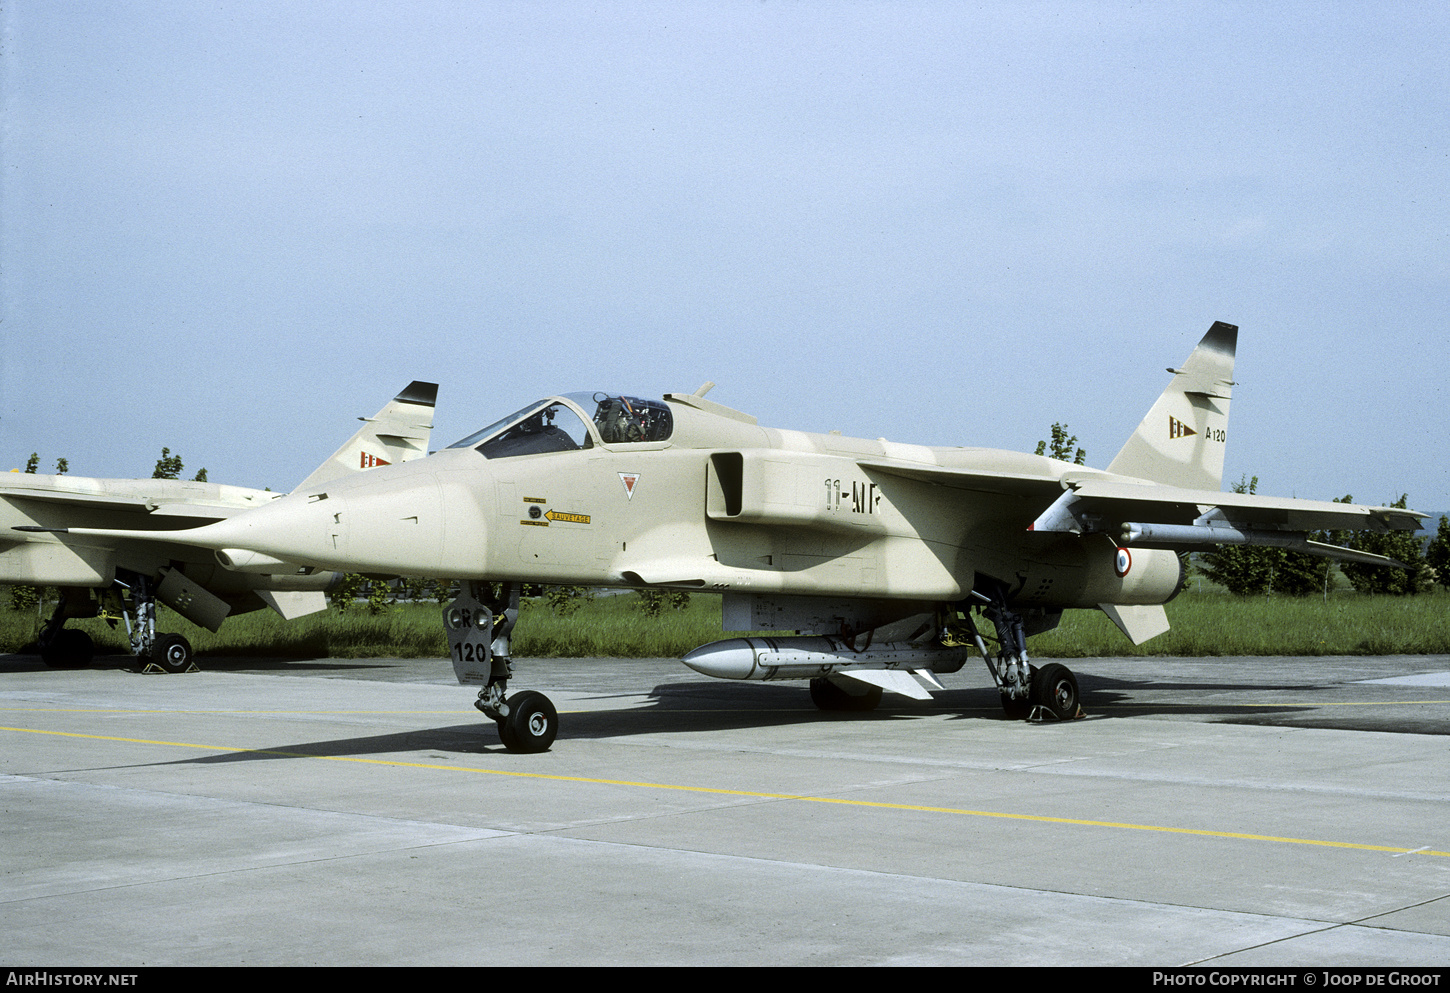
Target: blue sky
{"points": [[232, 228]]}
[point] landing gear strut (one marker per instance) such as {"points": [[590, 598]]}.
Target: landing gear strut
{"points": [[479, 624], [166, 652], [1048, 693]]}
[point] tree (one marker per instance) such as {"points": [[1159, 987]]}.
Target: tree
{"points": [[564, 600], [379, 596], [1402, 546], [1062, 447], [1299, 573], [200, 477], [24, 597], [32, 465], [653, 602], [168, 466], [345, 593], [1437, 556]]}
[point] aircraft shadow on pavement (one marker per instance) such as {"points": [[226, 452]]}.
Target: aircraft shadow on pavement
{"points": [[29, 661], [1318, 705], [708, 707], [1103, 696], [675, 708]]}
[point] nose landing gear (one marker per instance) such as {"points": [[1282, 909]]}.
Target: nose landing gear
{"points": [[478, 624]]}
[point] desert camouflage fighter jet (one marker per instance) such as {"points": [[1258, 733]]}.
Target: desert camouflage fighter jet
{"points": [[875, 555], [129, 574]]}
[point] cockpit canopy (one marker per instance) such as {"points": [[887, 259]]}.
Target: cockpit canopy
{"points": [[623, 420], [558, 424]]}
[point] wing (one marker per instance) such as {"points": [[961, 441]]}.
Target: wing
{"points": [[33, 507], [1006, 483], [1154, 516], [170, 498]]}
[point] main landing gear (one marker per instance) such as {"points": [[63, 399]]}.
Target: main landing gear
{"points": [[1028, 692], [162, 652], [67, 648], [479, 624]]}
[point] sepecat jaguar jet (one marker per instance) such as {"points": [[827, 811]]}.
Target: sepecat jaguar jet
{"points": [[878, 558]]}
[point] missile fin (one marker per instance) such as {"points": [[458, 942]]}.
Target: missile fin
{"points": [[890, 680]]}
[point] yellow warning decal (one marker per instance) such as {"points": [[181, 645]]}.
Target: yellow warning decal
{"points": [[559, 515]]}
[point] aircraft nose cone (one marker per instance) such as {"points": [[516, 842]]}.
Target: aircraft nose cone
{"points": [[380, 523]]}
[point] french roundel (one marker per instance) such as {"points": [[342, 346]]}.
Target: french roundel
{"points": [[1123, 562]]}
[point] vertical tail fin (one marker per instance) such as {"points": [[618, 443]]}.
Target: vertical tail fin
{"points": [[397, 433], [1181, 442]]}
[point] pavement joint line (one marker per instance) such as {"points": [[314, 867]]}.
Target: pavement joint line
{"points": [[755, 794]]}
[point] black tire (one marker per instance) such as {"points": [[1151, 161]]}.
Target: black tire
{"points": [[1055, 688], [507, 737], [171, 652], [69, 649], [531, 724], [1020, 708], [826, 695]]}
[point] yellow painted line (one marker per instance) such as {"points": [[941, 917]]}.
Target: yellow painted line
{"points": [[119, 711], [754, 794]]}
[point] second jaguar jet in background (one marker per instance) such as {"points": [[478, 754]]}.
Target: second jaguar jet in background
{"points": [[131, 573]]}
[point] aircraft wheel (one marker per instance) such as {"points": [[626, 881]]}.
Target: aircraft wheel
{"points": [[507, 737], [1055, 687], [531, 724], [69, 650], [172, 652], [826, 695]]}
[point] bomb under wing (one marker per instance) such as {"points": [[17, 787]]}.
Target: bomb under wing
{"points": [[876, 560]]}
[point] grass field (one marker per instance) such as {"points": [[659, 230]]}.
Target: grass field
{"points": [[1206, 623]]}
